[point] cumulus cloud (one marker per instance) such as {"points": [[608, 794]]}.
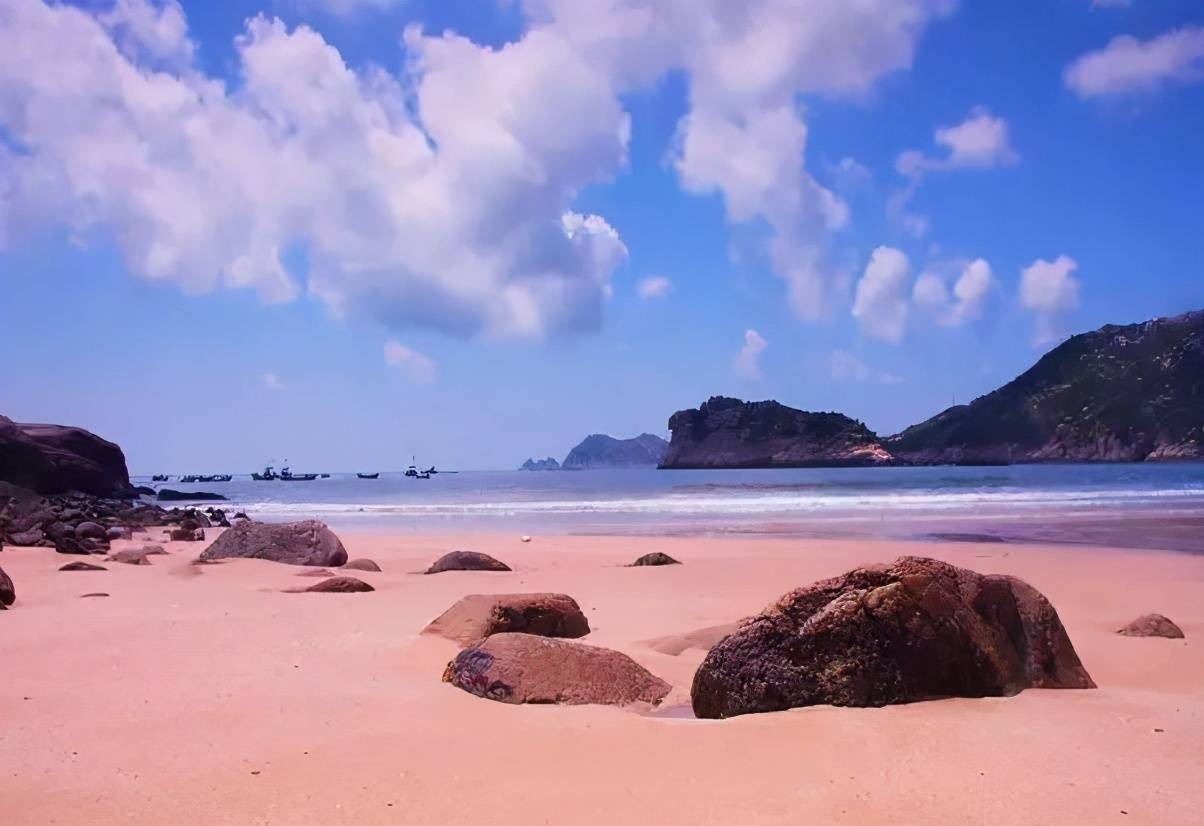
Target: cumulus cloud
{"points": [[960, 304], [441, 198], [748, 360], [1050, 289], [418, 367], [272, 382], [1131, 66], [845, 366], [880, 304], [654, 286], [979, 142]]}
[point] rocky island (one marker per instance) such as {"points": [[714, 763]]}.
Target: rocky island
{"points": [[730, 433], [599, 450]]}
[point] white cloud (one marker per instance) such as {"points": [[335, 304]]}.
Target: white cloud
{"points": [[979, 142], [850, 175], [272, 382], [142, 28], [344, 8], [417, 366], [1050, 289], [845, 366], [748, 361], [442, 199], [881, 302], [1131, 66], [962, 304], [654, 286]]}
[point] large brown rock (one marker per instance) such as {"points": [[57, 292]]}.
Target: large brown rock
{"points": [[481, 615], [8, 594], [654, 558], [82, 566], [466, 561], [55, 459], [294, 543], [523, 668], [1152, 625], [362, 565], [916, 629], [340, 585]]}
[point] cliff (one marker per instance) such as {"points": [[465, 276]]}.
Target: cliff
{"points": [[48, 459], [1119, 394], [730, 433], [645, 450]]}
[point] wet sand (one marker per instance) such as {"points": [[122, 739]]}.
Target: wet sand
{"points": [[206, 695]]}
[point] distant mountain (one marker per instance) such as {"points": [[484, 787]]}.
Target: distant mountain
{"points": [[598, 451], [1119, 394], [541, 464], [730, 433]]}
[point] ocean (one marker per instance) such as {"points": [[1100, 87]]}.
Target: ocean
{"points": [[1132, 505]]}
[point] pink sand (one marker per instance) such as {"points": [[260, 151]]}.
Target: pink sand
{"points": [[205, 695]]}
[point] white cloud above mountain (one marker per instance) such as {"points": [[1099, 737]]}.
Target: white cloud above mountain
{"points": [[881, 302], [748, 360], [1050, 289], [1128, 66]]}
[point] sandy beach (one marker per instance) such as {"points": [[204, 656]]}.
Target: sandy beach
{"points": [[208, 695]]}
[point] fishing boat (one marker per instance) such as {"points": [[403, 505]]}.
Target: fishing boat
{"points": [[287, 475], [368, 475], [413, 473], [269, 475], [160, 477]]}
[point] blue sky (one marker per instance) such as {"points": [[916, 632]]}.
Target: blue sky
{"points": [[327, 230]]}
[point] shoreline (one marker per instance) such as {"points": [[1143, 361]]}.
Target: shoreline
{"points": [[204, 693]]}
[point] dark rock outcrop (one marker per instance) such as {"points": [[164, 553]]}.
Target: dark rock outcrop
{"points": [[601, 451], [466, 561], [481, 615], [82, 566], [1152, 625], [183, 534], [26, 538], [730, 433], [541, 464], [50, 459], [169, 495], [295, 543], [8, 593], [916, 629], [522, 668], [340, 585], [361, 565], [654, 558], [1126, 393]]}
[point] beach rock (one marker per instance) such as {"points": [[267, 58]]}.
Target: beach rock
{"points": [[116, 532], [1152, 625], [523, 668], [94, 546], [55, 459], [59, 530], [241, 515], [129, 556], [153, 550], [481, 615], [655, 558], [8, 594], [82, 566], [186, 535], [340, 585], [143, 490], [95, 594], [26, 538], [294, 543], [466, 561], [916, 629], [90, 530], [70, 545], [362, 565], [169, 495], [315, 572]]}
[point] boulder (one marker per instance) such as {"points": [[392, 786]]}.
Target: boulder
{"points": [[56, 459], [1152, 625], [91, 530], [340, 585], [655, 558], [316, 572], [70, 545], [82, 566], [466, 561], [362, 565], [481, 615], [26, 538], [129, 556], [916, 629], [523, 668], [8, 594], [169, 495], [153, 550], [186, 535], [116, 532], [294, 543]]}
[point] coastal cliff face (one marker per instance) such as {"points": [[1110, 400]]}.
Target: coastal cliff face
{"points": [[51, 459], [598, 450], [730, 433], [1119, 394]]}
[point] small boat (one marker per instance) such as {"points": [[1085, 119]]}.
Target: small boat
{"points": [[269, 475], [287, 475], [368, 475], [323, 475], [160, 477]]}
